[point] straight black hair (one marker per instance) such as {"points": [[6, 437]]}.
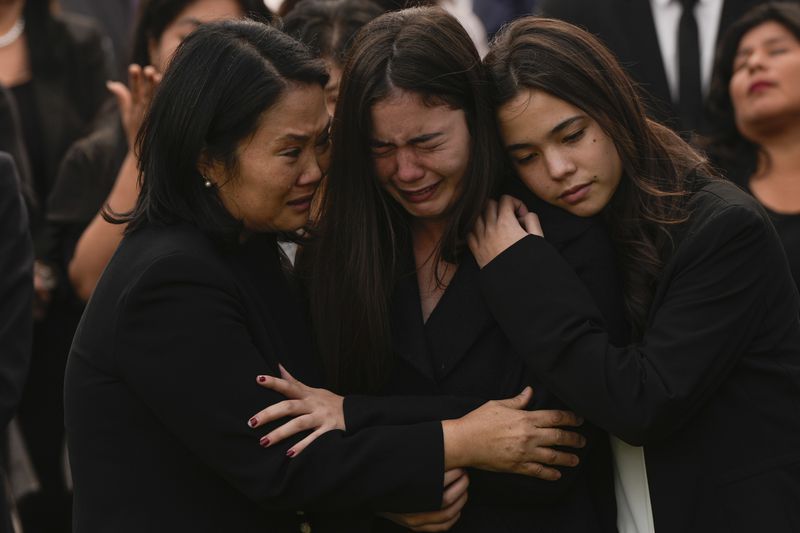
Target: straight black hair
{"points": [[223, 77]]}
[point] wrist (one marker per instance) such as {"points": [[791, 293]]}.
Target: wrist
{"points": [[456, 444]]}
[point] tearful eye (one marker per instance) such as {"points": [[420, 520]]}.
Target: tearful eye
{"points": [[294, 153]]}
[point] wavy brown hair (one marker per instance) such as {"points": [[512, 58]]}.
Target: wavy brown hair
{"points": [[571, 64], [363, 233]]}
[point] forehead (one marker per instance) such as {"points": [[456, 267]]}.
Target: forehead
{"points": [[533, 113], [300, 111], [201, 11], [403, 115], [767, 31]]}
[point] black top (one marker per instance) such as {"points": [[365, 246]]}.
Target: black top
{"points": [[28, 109], [788, 228], [462, 350], [713, 389], [160, 384]]}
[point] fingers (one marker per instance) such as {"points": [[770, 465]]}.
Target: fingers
{"points": [[277, 411], [455, 490], [540, 471], [553, 457], [121, 93], [292, 427], [452, 475], [490, 212], [282, 386], [531, 223], [555, 418], [286, 375], [520, 401], [560, 437], [298, 448], [135, 82]]}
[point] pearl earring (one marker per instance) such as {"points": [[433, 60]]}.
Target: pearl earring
{"points": [[207, 182]]}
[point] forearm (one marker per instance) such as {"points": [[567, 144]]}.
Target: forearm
{"points": [[100, 239]]}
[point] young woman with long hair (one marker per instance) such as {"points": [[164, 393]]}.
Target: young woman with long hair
{"points": [[708, 292]]}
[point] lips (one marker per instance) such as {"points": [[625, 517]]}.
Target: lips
{"points": [[420, 195], [759, 86], [575, 194], [302, 203]]}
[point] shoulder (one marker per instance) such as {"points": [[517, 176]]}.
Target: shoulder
{"points": [[720, 201], [9, 179]]}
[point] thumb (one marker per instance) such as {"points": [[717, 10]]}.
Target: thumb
{"points": [[121, 93], [520, 401]]}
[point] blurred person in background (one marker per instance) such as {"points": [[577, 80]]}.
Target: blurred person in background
{"points": [[116, 17], [55, 66], [328, 28], [495, 13], [667, 46], [755, 105], [16, 318]]}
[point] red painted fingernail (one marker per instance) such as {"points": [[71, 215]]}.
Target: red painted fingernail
{"points": [[264, 441], [290, 453], [262, 379], [252, 422]]}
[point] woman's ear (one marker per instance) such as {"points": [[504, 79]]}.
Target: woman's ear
{"points": [[210, 170]]}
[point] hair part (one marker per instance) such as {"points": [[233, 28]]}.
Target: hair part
{"points": [[572, 65]]}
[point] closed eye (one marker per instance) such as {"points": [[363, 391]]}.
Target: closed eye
{"points": [[574, 136]]}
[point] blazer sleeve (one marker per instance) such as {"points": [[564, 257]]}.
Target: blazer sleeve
{"points": [[16, 291], [183, 345], [704, 323]]}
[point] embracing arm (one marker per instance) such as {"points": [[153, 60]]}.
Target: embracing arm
{"points": [[703, 324]]}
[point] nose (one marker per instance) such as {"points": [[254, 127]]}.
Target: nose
{"points": [[313, 174], [408, 165], [559, 164], [755, 61]]}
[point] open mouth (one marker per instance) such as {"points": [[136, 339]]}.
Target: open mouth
{"points": [[301, 204], [420, 195], [760, 86]]}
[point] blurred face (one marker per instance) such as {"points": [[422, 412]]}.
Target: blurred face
{"points": [[560, 152], [332, 88], [765, 86], [197, 13], [280, 166], [420, 153]]}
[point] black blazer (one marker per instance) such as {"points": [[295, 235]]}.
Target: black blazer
{"points": [[160, 384], [16, 299], [713, 389], [627, 28], [462, 350]]}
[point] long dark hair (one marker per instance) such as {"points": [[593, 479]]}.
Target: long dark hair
{"points": [[154, 16], [571, 64], [727, 145], [221, 80], [363, 233]]}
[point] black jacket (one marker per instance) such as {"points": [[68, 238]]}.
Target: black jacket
{"points": [[712, 391], [161, 382]]}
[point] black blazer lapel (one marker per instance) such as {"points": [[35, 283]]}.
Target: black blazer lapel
{"points": [[460, 318], [408, 330]]}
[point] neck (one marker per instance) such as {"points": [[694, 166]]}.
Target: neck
{"points": [[781, 158], [10, 12], [427, 233]]}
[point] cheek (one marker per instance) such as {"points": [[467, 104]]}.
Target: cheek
{"points": [[536, 183], [384, 168]]}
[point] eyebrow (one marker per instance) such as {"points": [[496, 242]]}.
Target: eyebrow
{"points": [[190, 20], [300, 137], [561, 126], [419, 139]]}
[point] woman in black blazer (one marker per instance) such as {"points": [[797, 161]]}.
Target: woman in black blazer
{"points": [[404, 313], [710, 386], [195, 302]]}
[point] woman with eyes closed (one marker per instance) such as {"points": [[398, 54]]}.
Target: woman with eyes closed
{"points": [[394, 292], [703, 402], [755, 99]]}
